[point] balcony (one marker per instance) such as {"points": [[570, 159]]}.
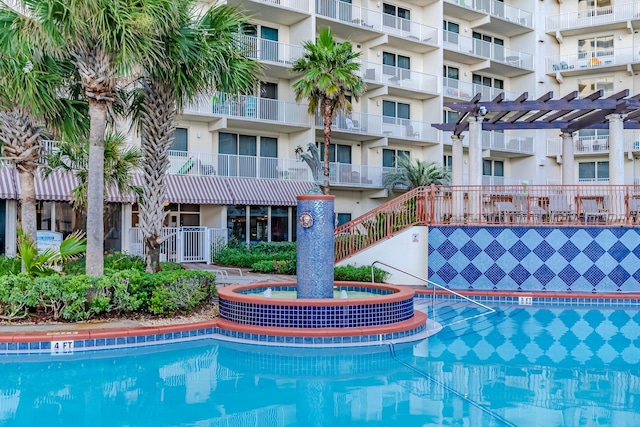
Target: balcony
{"points": [[482, 55], [250, 112], [491, 15], [276, 57], [464, 91], [578, 63], [285, 12], [399, 81], [594, 145], [232, 165], [361, 24], [363, 127], [500, 144], [619, 16]]}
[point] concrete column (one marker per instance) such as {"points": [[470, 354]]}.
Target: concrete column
{"points": [[457, 208], [568, 170], [11, 229], [125, 242], [615, 203], [475, 166]]}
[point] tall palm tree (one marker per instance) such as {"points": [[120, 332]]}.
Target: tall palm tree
{"points": [[120, 164], [202, 55], [413, 173], [107, 40], [329, 77], [33, 104]]}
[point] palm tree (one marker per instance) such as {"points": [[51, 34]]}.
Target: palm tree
{"points": [[202, 55], [33, 87], [120, 163], [329, 77], [415, 173], [107, 40]]}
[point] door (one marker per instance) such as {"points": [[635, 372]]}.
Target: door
{"points": [[193, 244], [268, 106], [269, 44]]}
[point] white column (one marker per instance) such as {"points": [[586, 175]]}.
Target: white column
{"points": [[475, 165], [568, 174], [616, 167], [11, 229], [457, 208]]}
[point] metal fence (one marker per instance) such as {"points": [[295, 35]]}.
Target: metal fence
{"points": [[182, 244]]}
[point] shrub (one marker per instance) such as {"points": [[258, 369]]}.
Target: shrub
{"points": [[248, 256], [180, 291], [17, 296], [351, 273], [9, 265], [64, 296]]}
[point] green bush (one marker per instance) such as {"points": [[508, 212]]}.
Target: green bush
{"points": [[17, 296], [351, 273], [64, 296], [247, 256], [9, 265], [180, 291]]}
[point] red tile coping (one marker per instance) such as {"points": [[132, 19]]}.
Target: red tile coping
{"points": [[534, 294], [230, 293], [316, 197], [419, 318]]}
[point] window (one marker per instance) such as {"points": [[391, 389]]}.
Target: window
{"points": [[447, 161], [483, 84], [595, 50], [492, 168], [451, 77], [390, 157], [590, 8], [279, 223], [236, 154], [488, 46], [593, 171], [395, 65], [451, 31], [180, 141], [180, 215], [396, 17], [449, 116], [395, 112], [338, 153], [342, 218], [587, 86]]}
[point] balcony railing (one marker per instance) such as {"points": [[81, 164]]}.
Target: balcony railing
{"points": [[499, 142], [399, 77], [483, 49], [594, 144], [392, 127], [269, 50], [375, 21], [466, 90], [233, 165], [298, 5], [251, 107], [589, 60], [592, 17], [499, 10]]}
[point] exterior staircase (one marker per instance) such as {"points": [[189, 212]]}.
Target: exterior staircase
{"points": [[411, 208]]}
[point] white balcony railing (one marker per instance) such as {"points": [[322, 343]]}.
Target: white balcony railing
{"points": [[251, 107], [498, 9], [466, 90], [594, 144], [392, 127], [269, 50], [298, 5], [592, 17], [589, 60], [233, 165], [486, 50], [497, 141], [376, 21], [399, 77]]}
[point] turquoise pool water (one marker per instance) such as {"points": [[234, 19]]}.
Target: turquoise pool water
{"points": [[518, 367]]}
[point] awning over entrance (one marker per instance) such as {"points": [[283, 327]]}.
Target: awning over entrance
{"points": [[8, 178], [208, 190], [270, 192]]}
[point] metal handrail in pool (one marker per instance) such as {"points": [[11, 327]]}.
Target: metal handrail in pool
{"points": [[433, 298]]}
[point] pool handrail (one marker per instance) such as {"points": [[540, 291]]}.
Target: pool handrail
{"points": [[433, 299]]}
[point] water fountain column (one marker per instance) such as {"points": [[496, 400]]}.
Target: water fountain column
{"points": [[315, 252]]}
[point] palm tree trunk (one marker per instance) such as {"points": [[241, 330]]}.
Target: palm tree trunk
{"points": [[95, 188], [327, 114], [28, 203]]}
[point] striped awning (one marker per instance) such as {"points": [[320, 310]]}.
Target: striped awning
{"points": [[8, 186], [191, 189], [269, 192], [57, 187]]}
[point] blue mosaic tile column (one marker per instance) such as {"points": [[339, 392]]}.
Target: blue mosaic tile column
{"points": [[315, 252]]}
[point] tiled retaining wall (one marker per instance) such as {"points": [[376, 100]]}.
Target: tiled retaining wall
{"points": [[595, 260]]}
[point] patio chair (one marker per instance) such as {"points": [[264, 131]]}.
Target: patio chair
{"points": [[535, 212], [559, 208], [634, 209], [590, 212], [507, 212]]}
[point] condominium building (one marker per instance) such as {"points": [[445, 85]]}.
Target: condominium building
{"points": [[233, 164]]}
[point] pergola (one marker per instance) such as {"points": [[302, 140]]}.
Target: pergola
{"points": [[568, 114]]}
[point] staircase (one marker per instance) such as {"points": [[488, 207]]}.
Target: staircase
{"points": [[385, 221]]}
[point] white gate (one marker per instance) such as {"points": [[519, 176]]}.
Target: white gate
{"points": [[183, 244]]}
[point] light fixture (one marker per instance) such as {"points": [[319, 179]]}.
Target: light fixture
{"points": [[198, 134], [378, 53]]}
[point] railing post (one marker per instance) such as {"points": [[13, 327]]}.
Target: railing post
{"points": [[432, 198]]}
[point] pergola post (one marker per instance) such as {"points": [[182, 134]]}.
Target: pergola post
{"points": [[457, 208], [616, 166], [475, 165], [568, 171]]}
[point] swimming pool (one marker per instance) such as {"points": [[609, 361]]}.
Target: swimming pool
{"points": [[518, 367]]}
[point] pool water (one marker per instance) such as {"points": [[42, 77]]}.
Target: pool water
{"points": [[517, 367], [336, 294]]}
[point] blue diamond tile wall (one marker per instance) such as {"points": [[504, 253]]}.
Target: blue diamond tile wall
{"points": [[594, 260]]}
